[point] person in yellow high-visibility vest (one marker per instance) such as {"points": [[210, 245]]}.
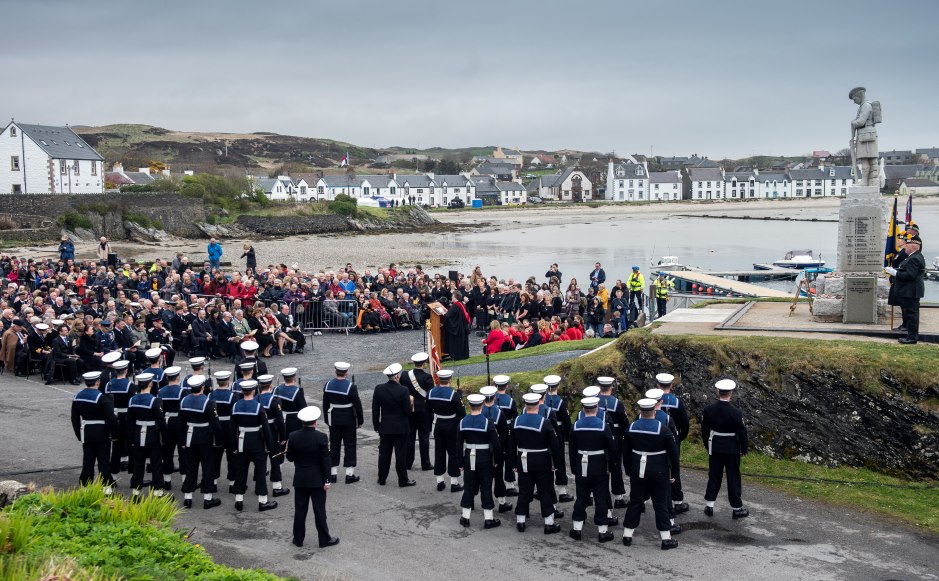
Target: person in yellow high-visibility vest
{"points": [[662, 287], [635, 285]]}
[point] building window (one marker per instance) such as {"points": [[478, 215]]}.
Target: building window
{"points": [[798, 191], [456, 190], [17, 189], [393, 190], [620, 172], [62, 167], [12, 131], [94, 168], [818, 182], [638, 170], [844, 191], [75, 167], [14, 163], [630, 183], [420, 190], [319, 190], [656, 186]]}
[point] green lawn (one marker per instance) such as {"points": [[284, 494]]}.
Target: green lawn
{"points": [[555, 347]]}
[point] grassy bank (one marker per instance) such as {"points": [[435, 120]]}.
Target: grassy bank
{"points": [[555, 347], [82, 534]]}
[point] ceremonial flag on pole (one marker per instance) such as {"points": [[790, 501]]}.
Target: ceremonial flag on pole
{"points": [[909, 210], [345, 160], [434, 355], [891, 249]]}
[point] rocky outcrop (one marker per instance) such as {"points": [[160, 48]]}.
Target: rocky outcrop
{"points": [[10, 490], [814, 411], [144, 235], [401, 219]]}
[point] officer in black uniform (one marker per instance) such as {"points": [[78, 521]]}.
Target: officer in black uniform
{"points": [[308, 449], [224, 399], [447, 407], [170, 396], [558, 406], [120, 389], [253, 443], [292, 399], [679, 415], [275, 419], [651, 454], [199, 430], [391, 407], [725, 438], [495, 415], [615, 413], [534, 446], [146, 426], [419, 384], [158, 335], [94, 422], [343, 410], [482, 453], [592, 451]]}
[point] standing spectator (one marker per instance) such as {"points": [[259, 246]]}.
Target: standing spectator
{"points": [[598, 276], [66, 249], [910, 275], [251, 261], [103, 249], [595, 316], [215, 254]]}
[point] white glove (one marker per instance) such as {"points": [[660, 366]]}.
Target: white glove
{"points": [[891, 271]]}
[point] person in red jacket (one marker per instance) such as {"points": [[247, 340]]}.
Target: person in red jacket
{"points": [[235, 288], [495, 339]]}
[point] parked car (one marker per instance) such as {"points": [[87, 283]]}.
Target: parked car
{"points": [[456, 204], [534, 200]]}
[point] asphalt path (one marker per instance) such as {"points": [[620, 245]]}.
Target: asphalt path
{"points": [[402, 533]]}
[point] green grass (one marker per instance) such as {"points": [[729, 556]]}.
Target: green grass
{"points": [[555, 347], [744, 300]]}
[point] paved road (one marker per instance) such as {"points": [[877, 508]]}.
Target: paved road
{"points": [[393, 533]]}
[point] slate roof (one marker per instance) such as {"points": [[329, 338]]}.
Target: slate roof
{"points": [[665, 177], [773, 176], [139, 178], [808, 174], [919, 183], [488, 168], [415, 181], [59, 142], [931, 152], [509, 187], [485, 185], [629, 170], [899, 172], [460, 181], [705, 174]]}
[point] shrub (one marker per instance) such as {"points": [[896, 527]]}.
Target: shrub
{"points": [[344, 205], [8, 224], [71, 220], [140, 219]]}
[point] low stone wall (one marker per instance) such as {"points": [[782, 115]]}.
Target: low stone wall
{"points": [[294, 225]]}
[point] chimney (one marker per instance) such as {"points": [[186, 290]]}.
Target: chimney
{"points": [[145, 170], [118, 167]]}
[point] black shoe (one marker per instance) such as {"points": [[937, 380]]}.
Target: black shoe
{"points": [[406, 483], [511, 492], [167, 485], [381, 482], [612, 521], [900, 328], [492, 523], [675, 530], [464, 522], [669, 544], [441, 486], [643, 509], [681, 507], [456, 488], [352, 478], [135, 498], [627, 541], [332, 542], [297, 543], [76, 382], [505, 507], [521, 526], [286, 491], [906, 341], [551, 529], [565, 498], [558, 513], [619, 503], [576, 535], [207, 504], [536, 496], [740, 513], [124, 465], [239, 505], [333, 479], [269, 505], [605, 537], [187, 503], [426, 467], [708, 511]]}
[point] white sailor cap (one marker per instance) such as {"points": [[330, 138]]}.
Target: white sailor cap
{"points": [[42, 327], [726, 385], [539, 388], [266, 378], [135, 304], [310, 413], [246, 365], [393, 369], [591, 391], [531, 398], [91, 376], [476, 399], [605, 380], [501, 380], [552, 380], [250, 346], [488, 390], [647, 403], [665, 378], [590, 402], [342, 366], [153, 354], [172, 371], [197, 361], [655, 393], [195, 381], [288, 371], [110, 357], [122, 364], [420, 357], [144, 377], [444, 374], [57, 322], [248, 385], [222, 375]]}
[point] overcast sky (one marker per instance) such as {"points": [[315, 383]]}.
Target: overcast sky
{"points": [[717, 78]]}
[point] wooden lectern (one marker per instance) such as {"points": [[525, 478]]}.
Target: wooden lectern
{"points": [[437, 311]]}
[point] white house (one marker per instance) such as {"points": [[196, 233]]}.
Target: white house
{"points": [[741, 185], [449, 187], [627, 181], [703, 183], [42, 159], [665, 185], [511, 193], [775, 184], [919, 187], [279, 188], [571, 185]]}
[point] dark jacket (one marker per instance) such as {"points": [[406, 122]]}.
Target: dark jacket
{"points": [[723, 417], [910, 277], [309, 451], [391, 407]]}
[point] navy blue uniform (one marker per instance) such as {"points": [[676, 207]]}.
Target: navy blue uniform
{"points": [[447, 407], [94, 422], [421, 419], [498, 418], [146, 425], [292, 400], [592, 453], [343, 411], [534, 446], [120, 390], [199, 430], [725, 437], [510, 410], [482, 453], [275, 420], [615, 414], [651, 457], [253, 443], [224, 400], [558, 406], [170, 397]]}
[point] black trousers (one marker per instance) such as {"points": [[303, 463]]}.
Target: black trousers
{"points": [[258, 458], [585, 486], [386, 444], [303, 497], [910, 311], [677, 494], [478, 481], [656, 485], [345, 436], [172, 445], [560, 475], [661, 306], [119, 446], [276, 463], [498, 480], [717, 464], [230, 462], [420, 435], [617, 482], [526, 491], [196, 456], [139, 456], [96, 452], [446, 452]]}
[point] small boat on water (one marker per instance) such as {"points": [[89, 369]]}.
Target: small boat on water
{"points": [[669, 264], [796, 260]]}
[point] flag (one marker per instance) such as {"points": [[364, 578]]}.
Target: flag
{"points": [[345, 160], [434, 354], [890, 251], [909, 210]]}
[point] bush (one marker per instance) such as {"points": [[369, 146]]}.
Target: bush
{"points": [[8, 224], [344, 205], [71, 220], [140, 219]]}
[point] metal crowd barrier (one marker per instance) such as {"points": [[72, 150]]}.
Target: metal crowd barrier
{"points": [[318, 315]]}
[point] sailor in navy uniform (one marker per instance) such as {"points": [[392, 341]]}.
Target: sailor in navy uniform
{"points": [[94, 422], [534, 445], [542, 390], [660, 415], [120, 389], [494, 414], [170, 396], [198, 368], [291, 398], [651, 455], [146, 425], [308, 449], [246, 371], [447, 407], [592, 450], [343, 410], [153, 365], [419, 384], [224, 399], [558, 406], [679, 415], [725, 437], [482, 453], [253, 444], [615, 413], [199, 430], [107, 366], [250, 349], [275, 419], [507, 404]]}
